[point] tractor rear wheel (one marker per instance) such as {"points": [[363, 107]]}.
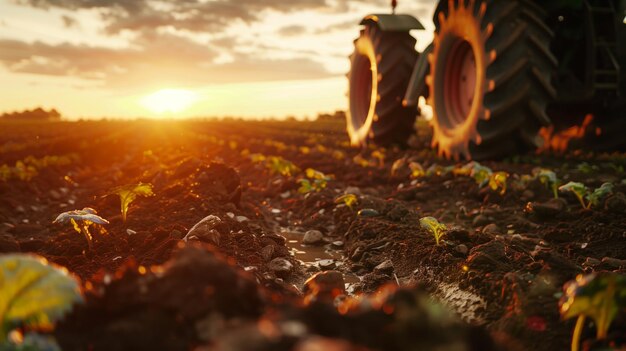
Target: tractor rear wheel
{"points": [[380, 70], [490, 77]]}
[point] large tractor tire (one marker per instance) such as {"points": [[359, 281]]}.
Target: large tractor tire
{"points": [[490, 77], [380, 70]]}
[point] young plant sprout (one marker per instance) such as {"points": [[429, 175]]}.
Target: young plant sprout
{"points": [[579, 190], [128, 194], [481, 174], [347, 199], [594, 197], [497, 181], [549, 179], [397, 165], [317, 181], [432, 225], [417, 171], [81, 221], [598, 296], [278, 165], [33, 293]]}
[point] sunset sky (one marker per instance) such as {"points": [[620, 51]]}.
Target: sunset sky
{"points": [[132, 58]]}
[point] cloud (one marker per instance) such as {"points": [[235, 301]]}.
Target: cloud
{"points": [[191, 15], [69, 22], [153, 59], [293, 30]]}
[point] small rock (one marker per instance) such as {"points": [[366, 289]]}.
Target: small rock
{"points": [[280, 266], [241, 218], [338, 244], [368, 212], [326, 265], [276, 238], [352, 190], [267, 252], [592, 262], [324, 287], [491, 229], [614, 262], [204, 230], [313, 237], [384, 268], [616, 203], [480, 220], [462, 249], [130, 232]]}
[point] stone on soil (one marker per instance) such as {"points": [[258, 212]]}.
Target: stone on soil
{"points": [[313, 237], [280, 266], [205, 230], [324, 286]]}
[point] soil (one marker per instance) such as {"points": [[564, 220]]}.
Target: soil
{"points": [[499, 270]]}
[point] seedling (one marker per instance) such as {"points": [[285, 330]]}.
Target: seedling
{"points": [[33, 293], [498, 180], [359, 160], [128, 194], [595, 197], [481, 174], [278, 165], [81, 221], [549, 179], [579, 190], [317, 181], [347, 199], [397, 165], [432, 225], [598, 296], [417, 171], [583, 193]]}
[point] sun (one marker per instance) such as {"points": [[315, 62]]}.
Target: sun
{"points": [[169, 100]]}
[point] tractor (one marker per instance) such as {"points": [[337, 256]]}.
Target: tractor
{"points": [[501, 76]]}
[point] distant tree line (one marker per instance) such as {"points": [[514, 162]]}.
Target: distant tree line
{"points": [[341, 115], [37, 114]]}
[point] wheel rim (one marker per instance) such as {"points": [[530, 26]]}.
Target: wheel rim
{"points": [[457, 80], [361, 90], [459, 83]]}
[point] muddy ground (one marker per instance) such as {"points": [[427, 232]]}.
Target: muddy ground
{"points": [[238, 283]]}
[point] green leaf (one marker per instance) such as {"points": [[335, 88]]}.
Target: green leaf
{"points": [[432, 225], [347, 199], [598, 296], [579, 189], [417, 171], [599, 193], [128, 194], [498, 180], [33, 292]]}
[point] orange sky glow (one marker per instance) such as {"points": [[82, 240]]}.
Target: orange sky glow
{"points": [[172, 59]]}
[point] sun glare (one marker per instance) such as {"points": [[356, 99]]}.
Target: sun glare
{"points": [[169, 100]]}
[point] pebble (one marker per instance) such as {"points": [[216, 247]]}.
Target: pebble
{"points": [[491, 229], [462, 249], [352, 190], [357, 254], [313, 237], [280, 266], [480, 220], [241, 218], [338, 244], [55, 194], [130, 232], [384, 268], [614, 262], [368, 212], [327, 264], [204, 230]]}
